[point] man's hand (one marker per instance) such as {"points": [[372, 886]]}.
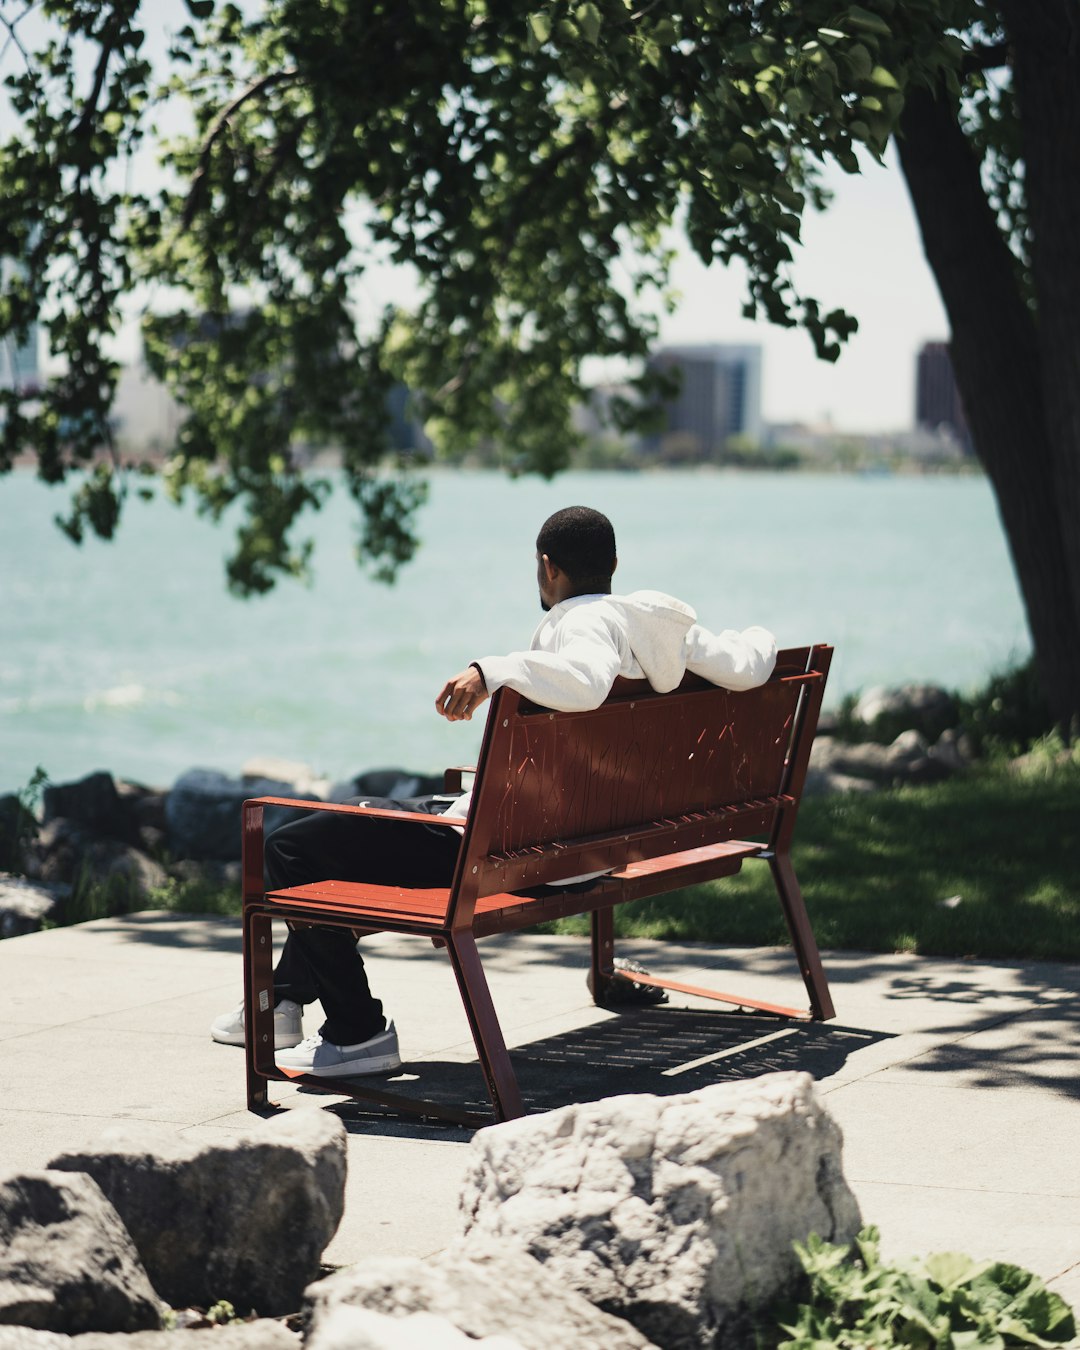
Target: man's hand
{"points": [[460, 697]]}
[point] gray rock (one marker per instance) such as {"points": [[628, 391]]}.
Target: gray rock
{"points": [[30, 1338], [59, 850], [245, 1219], [17, 827], [261, 1335], [820, 782], [926, 708], [675, 1213], [144, 806], [202, 812], [66, 1262], [133, 876], [396, 783], [24, 905], [481, 1287], [70, 854], [359, 1329], [301, 777], [92, 802], [953, 749], [906, 760]]}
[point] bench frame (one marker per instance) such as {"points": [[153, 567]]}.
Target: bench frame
{"points": [[558, 795]]}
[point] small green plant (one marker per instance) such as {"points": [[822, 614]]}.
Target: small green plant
{"points": [[943, 1302], [222, 1313], [196, 896]]}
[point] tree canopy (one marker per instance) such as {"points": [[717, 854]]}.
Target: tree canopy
{"points": [[527, 163]]}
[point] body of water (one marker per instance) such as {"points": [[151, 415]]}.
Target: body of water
{"points": [[132, 657]]}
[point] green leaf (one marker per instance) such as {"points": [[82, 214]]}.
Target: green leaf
{"points": [[884, 78], [539, 28], [858, 61], [589, 21], [862, 19], [200, 9], [953, 1268], [798, 100]]}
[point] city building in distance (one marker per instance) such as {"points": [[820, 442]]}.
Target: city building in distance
{"points": [[19, 361], [719, 399], [937, 399]]}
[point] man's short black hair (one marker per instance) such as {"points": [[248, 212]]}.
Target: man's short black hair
{"points": [[582, 542]]}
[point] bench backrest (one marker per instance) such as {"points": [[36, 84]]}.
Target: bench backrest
{"points": [[643, 775]]}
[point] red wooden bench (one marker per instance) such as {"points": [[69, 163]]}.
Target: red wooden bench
{"points": [[663, 790]]}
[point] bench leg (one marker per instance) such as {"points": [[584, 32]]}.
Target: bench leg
{"points": [[258, 1006], [602, 953], [802, 937], [484, 1024]]}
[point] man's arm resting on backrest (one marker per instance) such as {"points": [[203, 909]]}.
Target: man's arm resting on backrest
{"points": [[731, 659], [574, 678]]}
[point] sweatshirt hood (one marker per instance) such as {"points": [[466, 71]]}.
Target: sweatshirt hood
{"points": [[656, 626]]}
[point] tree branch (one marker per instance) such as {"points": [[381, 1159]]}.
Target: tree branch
{"points": [[523, 208], [986, 56], [13, 37], [216, 130], [90, 107]]}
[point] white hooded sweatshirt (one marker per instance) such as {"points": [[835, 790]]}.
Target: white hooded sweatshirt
{"points": [[582, 644]]}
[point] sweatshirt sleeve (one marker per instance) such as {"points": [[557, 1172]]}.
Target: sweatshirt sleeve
{"points": [[575, 677], [731, 659]]}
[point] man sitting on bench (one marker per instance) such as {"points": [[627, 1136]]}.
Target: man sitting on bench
{"points": [[587, 639]]}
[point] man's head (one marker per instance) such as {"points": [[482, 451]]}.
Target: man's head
{"points": [[575, 554]]}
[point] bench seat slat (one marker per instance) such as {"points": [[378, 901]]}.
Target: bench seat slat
{"points": [[395, 906], [411, 906]]}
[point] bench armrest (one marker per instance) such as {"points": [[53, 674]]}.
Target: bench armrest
{"points": [[251, 834], [452, 777], [380, 812]]}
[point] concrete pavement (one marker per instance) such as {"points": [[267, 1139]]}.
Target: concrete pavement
{"points": [[956, 1083]]}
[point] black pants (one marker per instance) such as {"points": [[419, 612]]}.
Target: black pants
{"points": [[323, 963]]}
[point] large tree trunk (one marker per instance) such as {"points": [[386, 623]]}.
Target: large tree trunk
{"points": [[998, 359], [1045, 43]]}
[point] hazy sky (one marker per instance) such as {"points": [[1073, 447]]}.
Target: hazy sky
{"points": [[863, 254]]}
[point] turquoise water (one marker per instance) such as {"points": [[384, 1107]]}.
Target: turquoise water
{"points": [[132, 656]]}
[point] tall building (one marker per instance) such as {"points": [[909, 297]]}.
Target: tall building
{"points": [[719, 398], [937, 399], [19, 366]]}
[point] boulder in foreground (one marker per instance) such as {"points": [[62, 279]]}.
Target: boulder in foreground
{"points": [[675, 1213], [244, 1219], [67, 1263]]}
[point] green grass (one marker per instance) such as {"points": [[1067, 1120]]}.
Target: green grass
{"points": [[876, 868]]}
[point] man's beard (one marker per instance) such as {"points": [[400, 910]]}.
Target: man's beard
{"points": [[544, 605]]}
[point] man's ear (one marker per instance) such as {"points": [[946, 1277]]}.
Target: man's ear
{"points": [[551, 570], [614, 564]]}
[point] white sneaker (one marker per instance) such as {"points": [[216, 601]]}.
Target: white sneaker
{"points": [[379, 1054], [228, 1029]]}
